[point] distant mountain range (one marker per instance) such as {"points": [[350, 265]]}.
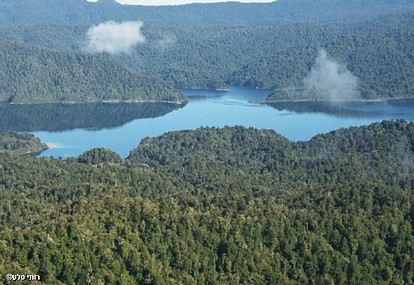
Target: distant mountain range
{"points": [[81, 12]]}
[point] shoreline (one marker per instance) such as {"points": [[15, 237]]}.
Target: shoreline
{"points": [[51, 145], [330, 101], [100, 102]]}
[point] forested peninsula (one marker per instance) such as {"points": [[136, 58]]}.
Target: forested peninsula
{"points": [[20, 144], [217, 206], [37, 75]]}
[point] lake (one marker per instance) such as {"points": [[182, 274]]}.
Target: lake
{"points": [[75, 128]]}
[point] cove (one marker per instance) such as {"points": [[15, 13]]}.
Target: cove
{"points": [[296, 121]]}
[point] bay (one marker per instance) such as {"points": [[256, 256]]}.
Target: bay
{"points": [[296, 121]]}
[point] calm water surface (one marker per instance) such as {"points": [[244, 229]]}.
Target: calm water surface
{"points": [[296, 121]]}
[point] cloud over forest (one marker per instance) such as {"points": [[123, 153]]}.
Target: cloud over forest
{"points": [[114, 38]]}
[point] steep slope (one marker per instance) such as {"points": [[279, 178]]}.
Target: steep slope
{"points": [[34, 75]]}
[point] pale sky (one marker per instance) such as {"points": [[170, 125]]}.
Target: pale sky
{"points": [[177, 2]]}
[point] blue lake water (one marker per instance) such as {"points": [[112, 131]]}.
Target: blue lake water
{"points": [[296, 121]]}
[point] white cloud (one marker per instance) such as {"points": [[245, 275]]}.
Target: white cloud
{"points": [[180, 2], [113, 38]]}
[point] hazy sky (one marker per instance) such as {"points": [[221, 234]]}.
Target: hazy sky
{"points": [[175, 2]]}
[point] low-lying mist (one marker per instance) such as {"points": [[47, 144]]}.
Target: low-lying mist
{"points": [[329, 80]]}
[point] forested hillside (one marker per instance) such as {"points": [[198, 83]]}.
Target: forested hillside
{"points": [[377, 52], [217, 206], [34, 75]]}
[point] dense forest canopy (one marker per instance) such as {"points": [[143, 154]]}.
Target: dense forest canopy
{"points": [[213, 206]]}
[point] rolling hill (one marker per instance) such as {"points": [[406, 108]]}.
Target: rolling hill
{"points": [[213, 206]]}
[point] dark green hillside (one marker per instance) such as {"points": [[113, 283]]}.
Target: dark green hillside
{"points": [[379, 53], [99, 156], [217, 206], [382, 64], [259, 151], [206, 57], [198, 57], [34, 75], [231, 146], [56, 37], [183, 56]]}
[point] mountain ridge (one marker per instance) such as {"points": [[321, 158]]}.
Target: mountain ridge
{"points": [[227, 13]]}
